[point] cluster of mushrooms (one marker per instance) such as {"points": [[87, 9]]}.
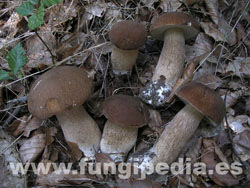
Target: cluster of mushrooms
{"points": [[62, 90]]}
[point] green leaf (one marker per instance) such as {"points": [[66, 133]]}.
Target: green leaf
{"points": [[34, 2], [26, 8], [16, 58], [36, 19], [48, 3], [4, 75]]}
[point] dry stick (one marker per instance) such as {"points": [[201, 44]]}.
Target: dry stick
{"points": [[52, 57], [10, 118], [1, 96], [231, 139]]}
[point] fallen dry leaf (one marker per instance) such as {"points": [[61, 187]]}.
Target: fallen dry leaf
{"points": [[37, 53], [103, 158], [194, 151], [189, 2], [31, 148], [59, 178], [242, 144], [210, 81], [210, 158], [10, 26], [17, 127], [212, 7], [10, 155], [236, 123], [32, 125], [95, 8], [232, 97], [239, 67], [224, 32], [170, 5], [202, 46], [155, 122], [61, 13], [133, 183], [71, 44], [112, 15], [242, 35]]}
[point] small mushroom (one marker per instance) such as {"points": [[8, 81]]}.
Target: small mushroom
{"points": [[126, 37], [200, 101], [61, 91], [173, 28], [125, 115]]}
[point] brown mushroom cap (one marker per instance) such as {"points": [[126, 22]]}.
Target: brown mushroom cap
{"points": [[205, 100], [128, 35], [126, 110], [58, 89], [172, 20]]}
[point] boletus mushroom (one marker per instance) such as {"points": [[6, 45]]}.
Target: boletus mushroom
{"points": [[173, 28], [125, 115], [61, 91], [127, 37], [201, 101]]}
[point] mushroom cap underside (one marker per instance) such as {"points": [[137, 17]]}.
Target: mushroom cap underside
{"points": [[174, 20]]}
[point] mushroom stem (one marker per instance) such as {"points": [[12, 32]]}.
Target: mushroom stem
{"points": [[171, 61], [118, 140], [78, 127], [123, 60], [176, 134], [174, 137]]}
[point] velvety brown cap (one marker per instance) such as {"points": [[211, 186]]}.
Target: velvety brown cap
{"points": [[58, 89], [172, 20], [124, 110], [128, 35], [203, 99]]}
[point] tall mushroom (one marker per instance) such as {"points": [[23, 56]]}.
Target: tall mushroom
{"points": [[125, 115], [200, 101], [126, 37], [61, 91], [173, 28]]}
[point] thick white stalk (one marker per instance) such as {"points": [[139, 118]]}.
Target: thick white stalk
{"points": [[78, 127], [117, 141], [174, 137], [171, 61], [123, 60]]}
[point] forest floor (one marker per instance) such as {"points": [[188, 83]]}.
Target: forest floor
{"points": [[76, 33]]}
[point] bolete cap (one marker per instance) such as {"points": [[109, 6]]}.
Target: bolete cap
{"points": [[173, 20], [128, 35], [205, 100], [58, 89], [123, 110]]}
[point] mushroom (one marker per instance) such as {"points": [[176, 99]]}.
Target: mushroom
{"points": [[125, 115], [61, 91], [173, 28], [200, 101], [126, 37]]}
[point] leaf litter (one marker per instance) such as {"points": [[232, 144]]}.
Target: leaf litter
{"points": [[76, 33]]}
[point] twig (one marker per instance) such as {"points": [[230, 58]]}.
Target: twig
{"points": [[52, 57], [10, 118], [12, 143], [1, 96], [20, 99]]}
